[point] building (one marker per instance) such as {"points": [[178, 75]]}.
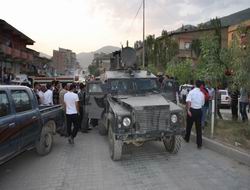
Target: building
{"points": [[102, 61], [186, 35], [64, 61], [15, 57], [233, 29]]}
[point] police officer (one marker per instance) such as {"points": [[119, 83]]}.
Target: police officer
{"points": [[194, 102]]}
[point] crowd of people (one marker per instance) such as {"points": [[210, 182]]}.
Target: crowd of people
{"points": [[198, 103], [72, 97]]}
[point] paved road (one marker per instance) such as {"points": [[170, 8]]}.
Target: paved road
{"points": [[87, 166]]}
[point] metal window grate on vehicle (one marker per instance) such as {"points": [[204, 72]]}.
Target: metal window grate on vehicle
{"points": [[152, 118]]}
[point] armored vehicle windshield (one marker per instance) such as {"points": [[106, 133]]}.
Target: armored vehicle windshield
{"points": [[134, 86]]}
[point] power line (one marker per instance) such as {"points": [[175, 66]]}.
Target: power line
{"points": [[129, 30]]}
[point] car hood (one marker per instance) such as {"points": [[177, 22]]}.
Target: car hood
{"points": [[143, 100]]}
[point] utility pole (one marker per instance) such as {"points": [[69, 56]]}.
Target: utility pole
{"points": [[143, 42]]}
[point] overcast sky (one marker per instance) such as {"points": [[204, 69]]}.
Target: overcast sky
{"points": [[87, 25]]}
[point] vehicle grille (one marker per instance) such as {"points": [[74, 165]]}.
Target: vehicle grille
{"points": [[152, 118]]}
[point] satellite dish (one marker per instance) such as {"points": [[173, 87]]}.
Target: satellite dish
{"points": [[128, 57]]}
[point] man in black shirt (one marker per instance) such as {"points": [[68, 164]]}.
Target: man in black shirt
{"points": [[234, 104], [82, 119]]}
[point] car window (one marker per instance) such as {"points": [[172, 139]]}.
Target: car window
{"points": [[4, 104], [169, 86], [223, 92], [22, 100], [95, 87]]}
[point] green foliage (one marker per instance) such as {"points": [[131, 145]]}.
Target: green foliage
{"points": [[93, 70], [210, 67], [181, 69], [160, 51], [196, 47], [239, 62]]}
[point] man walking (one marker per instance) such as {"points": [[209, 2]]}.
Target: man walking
{"points": [[71, 103], [195, 100], [83, 120], [243, 104]]}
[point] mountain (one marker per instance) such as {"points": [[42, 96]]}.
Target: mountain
{"points": [[234, 18], [86, 58], [45, 55]]}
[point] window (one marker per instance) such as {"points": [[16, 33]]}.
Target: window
{"points": [[21, 100], [187, 45], [95, 88], [4, 104]]}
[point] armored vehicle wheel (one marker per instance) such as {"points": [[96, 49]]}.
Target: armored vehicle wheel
{"points": [[115, 146], [44, 144], [102, 129], [172, 144]]}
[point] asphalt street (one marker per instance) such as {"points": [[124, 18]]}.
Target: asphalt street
{"points": [[87, 165]]}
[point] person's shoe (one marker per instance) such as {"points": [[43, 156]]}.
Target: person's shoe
{"points": [[70, 140], [199, 147], [185, 140]]}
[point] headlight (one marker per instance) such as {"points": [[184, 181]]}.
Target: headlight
{"points": [[174, 118], [126, 121]]}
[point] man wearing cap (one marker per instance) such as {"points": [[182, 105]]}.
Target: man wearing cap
{"points": [[194, 102]]}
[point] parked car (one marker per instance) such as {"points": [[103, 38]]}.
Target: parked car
{"points": [[24, 124], [225, 98], [183, 92]]}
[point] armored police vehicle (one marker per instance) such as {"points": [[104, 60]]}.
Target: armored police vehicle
{"points": [[131, 108]]}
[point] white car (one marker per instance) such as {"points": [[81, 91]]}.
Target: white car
{"points": [[225, 98]]}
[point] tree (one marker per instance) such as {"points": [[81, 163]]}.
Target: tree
{"points": [[93, 70], [238, 58], [181, 69], [196, 47], [210, 67]]}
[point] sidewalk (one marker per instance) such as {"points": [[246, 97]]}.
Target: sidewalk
{"points": [[239, 154]]}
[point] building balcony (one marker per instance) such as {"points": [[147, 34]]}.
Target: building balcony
{"points": [[24, 55], [5, 50], [15, 53], [186, 53], [30, 57]]}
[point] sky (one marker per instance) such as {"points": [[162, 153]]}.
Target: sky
{"points": [[87, 25]]}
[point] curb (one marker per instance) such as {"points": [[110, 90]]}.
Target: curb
{"points": [[228, 151]]}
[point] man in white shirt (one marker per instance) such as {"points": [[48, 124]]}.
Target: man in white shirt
{"points": [[71, 104], [48, 96], [195, 100]]}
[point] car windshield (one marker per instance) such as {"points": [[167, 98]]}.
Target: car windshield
{"points": [[126, 86]]}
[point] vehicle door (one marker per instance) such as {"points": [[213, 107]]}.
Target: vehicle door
{"points": [[9, 135], [95, 99], [169, 89], [26, 116]]}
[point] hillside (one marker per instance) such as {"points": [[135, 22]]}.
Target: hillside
{"points": [[85, 58]]}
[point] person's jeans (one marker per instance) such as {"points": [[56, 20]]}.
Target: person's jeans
{"points": [[204, 116], [243, 110], [72, 119]]}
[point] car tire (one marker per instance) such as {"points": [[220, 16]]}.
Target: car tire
{"points": [[101, 128], [172, 144], [115, 146], [45, 142]]}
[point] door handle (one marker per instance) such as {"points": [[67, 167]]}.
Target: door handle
{"points": [[12, 125], [34, 117]]}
